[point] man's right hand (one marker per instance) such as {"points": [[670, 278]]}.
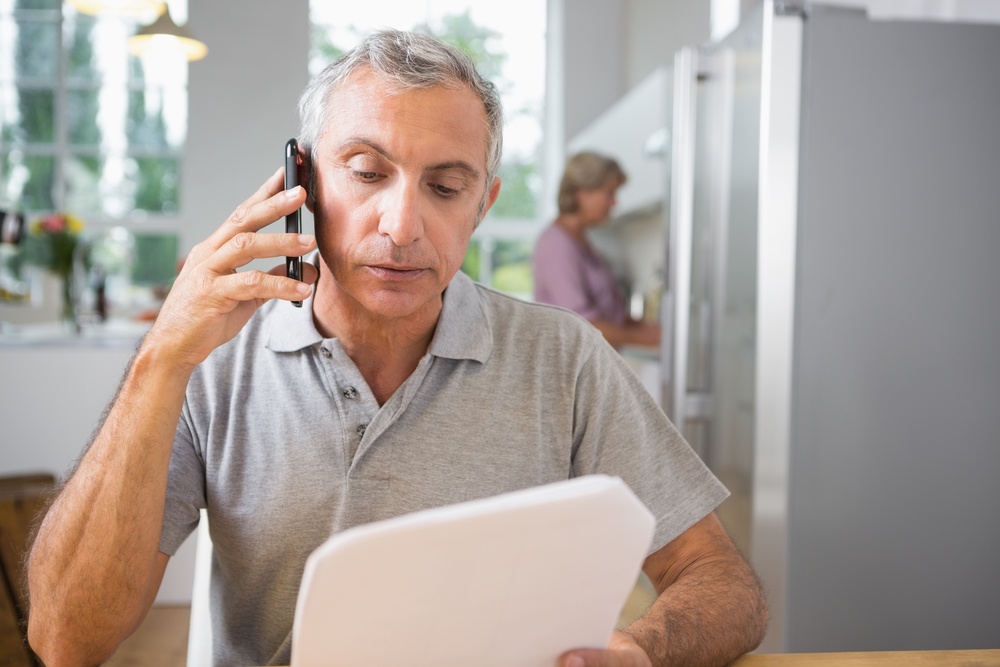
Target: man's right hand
{"points": [[210, 302]]}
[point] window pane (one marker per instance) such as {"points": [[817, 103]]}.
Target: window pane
{"points": [[470, 265], [38, 4], [81, 111], [83, 175], [40, 176], [35, 53], [8, 42], [80, 61], [115, 145], [512, 267], [519, 193], [156, 184], [504, 264], [157, 106], [150, 125], [36, 109], [155, 259]]}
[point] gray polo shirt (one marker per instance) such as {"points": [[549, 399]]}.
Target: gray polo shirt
{"points": [[284, 444]]}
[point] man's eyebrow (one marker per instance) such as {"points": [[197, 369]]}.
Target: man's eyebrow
{"points": [[354, 141], [471, 170], [458, 164]]}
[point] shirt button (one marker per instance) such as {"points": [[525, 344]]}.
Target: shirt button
{"points": [[325, 352], [350, 392], [361, 429]]}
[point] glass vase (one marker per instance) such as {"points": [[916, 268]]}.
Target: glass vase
{"points": [[67, 309]]}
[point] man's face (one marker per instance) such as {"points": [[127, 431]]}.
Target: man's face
{"points": [[400, 177]]}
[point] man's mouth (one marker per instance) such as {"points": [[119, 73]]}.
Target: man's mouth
{"points": [[396, 272]]}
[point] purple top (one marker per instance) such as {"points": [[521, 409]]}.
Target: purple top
{"points": [[573, 276]]}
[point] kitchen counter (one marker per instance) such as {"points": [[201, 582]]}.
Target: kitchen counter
{"points": [[982, 658], [113, 333]]}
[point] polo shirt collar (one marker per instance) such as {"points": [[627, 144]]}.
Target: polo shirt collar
{"points": [[291, 329], [462, 331]]}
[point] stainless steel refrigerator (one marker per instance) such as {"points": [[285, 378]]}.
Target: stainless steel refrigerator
{"points": [[832, 317]]}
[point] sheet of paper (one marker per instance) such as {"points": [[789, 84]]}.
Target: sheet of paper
{"points": [[509, 581]]}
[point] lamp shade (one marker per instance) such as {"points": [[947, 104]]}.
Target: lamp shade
{"points": [[165, 35], [140, 8]]}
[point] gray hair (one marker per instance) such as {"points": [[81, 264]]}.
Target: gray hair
{"points": [[587, 171], [407, 61]]}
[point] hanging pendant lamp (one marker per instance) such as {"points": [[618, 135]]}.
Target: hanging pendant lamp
{"points": [[138, 8], [165, 35]]}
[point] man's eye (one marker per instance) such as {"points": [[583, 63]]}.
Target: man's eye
{"points": [[366, 175], [443, 190]]}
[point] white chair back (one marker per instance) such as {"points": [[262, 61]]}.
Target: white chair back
{"points": [[200, 633]]}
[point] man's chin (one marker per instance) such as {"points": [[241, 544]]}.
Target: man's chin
{"points": [[398, 301]]}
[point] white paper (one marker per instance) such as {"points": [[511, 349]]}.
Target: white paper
{"points": [[510, 581]]}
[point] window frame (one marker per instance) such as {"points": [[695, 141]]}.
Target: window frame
{"points": [[62, 151]]}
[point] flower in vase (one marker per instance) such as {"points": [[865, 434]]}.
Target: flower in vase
{"points": [[52, 241], [50, 244]]}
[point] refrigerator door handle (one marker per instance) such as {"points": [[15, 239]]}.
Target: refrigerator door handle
{"points": [[677, 273]]}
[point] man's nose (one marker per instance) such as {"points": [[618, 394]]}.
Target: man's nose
{"points": [[402, 217]]}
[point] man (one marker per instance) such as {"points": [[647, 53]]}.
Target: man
{"points": [[399, 385]]}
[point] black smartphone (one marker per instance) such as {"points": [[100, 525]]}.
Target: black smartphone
{"points": [[293, 221]]}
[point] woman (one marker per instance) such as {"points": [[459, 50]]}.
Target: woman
{"points": [[568, 271]]}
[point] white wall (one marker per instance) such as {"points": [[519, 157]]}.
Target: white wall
{"points": [[594, 59], [599, 50], [51, 400], [609, 46], [656, 30], [243, 98]]}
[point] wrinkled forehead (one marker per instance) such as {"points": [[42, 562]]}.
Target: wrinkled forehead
{"points": [[370, 83], [366, 99]]}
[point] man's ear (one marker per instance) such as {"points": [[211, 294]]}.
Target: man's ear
{"points": [[492, 196], [305, 174]]}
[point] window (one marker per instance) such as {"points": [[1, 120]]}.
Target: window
{"points": [[89, 129], [507, 41], [84, 126]]}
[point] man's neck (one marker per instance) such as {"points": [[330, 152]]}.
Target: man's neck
{"points": [[385, 350]]}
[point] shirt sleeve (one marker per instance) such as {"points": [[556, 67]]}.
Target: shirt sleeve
{"points": [[559, 275], [620, 430], [185, 488]]}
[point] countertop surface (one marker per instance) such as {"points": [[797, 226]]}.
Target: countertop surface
{"points": [[973, 658], [980, 658], [113, 333]]}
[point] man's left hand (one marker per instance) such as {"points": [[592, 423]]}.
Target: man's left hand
{"points": [[621, 652]]}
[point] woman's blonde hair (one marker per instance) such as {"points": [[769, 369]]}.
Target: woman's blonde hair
{"points": [[587, 171]]}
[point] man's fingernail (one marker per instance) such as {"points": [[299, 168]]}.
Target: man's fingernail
{"points": [[304, 288], [294, 192], [305, 239], [574, 661]]}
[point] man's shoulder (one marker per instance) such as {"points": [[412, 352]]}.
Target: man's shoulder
{"points": [[525, 311], [517, 320]]}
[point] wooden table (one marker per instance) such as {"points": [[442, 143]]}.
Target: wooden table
{"points": [[985, 658]]}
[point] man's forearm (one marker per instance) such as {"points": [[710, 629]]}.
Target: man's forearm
{"points": [[95, 559], [710, 615]]}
